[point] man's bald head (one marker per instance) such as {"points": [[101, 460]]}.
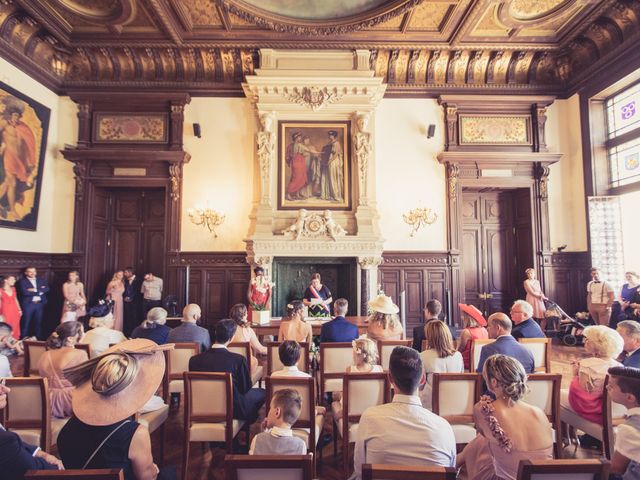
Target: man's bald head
{"points": [[191, 313], [498, 324]]}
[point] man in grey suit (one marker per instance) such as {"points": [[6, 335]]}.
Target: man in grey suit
{"points": [[189, 331], [499, 327]]}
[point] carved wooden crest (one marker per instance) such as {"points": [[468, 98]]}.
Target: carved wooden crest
{"points": [[313, 97]]}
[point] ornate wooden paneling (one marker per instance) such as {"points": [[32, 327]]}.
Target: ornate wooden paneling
{"points": [[567, 282]]}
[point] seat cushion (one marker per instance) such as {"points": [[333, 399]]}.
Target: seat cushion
{"points": [[212, 432], [303, 433], [28, 435], [333, 385], [176, 386], [568, 416], [154, 420], [257, 374], [56, 426], [464, 433]]}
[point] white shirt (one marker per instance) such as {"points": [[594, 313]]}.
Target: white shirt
{"points": [[599, 292], [434, 364], [290, 372], [100, 337], [628, 438], [34, 282], [5, 369], [403, 433]]}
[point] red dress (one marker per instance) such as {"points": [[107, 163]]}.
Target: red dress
{"points": [[10, 311], [476, 333], [298, 174]]}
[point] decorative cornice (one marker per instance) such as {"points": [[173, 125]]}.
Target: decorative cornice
{"points": [[415, 258]]}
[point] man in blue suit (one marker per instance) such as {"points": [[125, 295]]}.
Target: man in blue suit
{"points": [[16, 457], [33, 297], [524, 326], [339, 329], [629, 330], [499, 327]]}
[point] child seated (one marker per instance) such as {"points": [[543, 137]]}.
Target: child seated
{"points": [[289, 353], [278, 439], [8, 344], [624, 388]]}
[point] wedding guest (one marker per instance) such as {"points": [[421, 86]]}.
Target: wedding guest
{"points": [[599, 298], [244, 332], [151, 292], [33, 297], [115, 290], [339, 329], [132, 300], [9, 306], [430, 313], [624, 388], [102, 333], [9, 345], [475, 324], [153, 328], [524, 326], [509, 430], [629, 330], [61, 353], [499, 327], [317, 297], [384, 322], [5, 367], [75, 300], [289, 353], [294, 326], [189, 330], [535, 297]]}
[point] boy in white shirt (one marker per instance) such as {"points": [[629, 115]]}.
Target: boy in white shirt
{"points": [[289, 353], [278, 439], [624, 388]]}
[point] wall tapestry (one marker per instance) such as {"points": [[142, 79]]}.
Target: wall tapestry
{"points": [[121, 128], [314, 165], [495, 130], [24, 124]]}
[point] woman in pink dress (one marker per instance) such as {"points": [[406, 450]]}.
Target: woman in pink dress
{"points": [[115, 289], [61, 353], [74, 298], [535, 297], [244, 333], [9, 306], [475, 324], [509, 430]]}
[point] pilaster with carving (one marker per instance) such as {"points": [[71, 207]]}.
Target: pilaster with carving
{"points": [[175, 179], [265, 143], [540, 116], [368, 266], [451, 117], [453, 174], [363, 151], [542, 179], [264, 261], [177, 125], [84, 124], [79, 172]]}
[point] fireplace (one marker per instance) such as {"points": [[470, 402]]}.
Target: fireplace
{"points": [[292, 275]]}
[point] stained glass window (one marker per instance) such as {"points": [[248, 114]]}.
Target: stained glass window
{"points": [[605, 226], [623, 111], [623, 136]]}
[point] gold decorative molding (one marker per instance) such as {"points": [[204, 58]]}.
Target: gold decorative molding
{"points": [[495, 130], [313, 97]]}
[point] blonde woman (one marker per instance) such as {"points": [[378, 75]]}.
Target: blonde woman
{"points": [[535, 297], [439, 357], [509, 430], [384, 323], [115, 289], [293, 326], [102, 332], [474, 323], [75, 301]]}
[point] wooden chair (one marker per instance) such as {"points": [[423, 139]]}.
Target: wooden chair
{"points": [[208, 412], [273, 358], [155, 420], [361, 391], [385, 347], [85, 347], [102, 474], [612, 416], [453, 398], [244, 349], [595, 469], [310, 423], [176, 363], [33, 350], [28, 411], [539, 347], [476, 348], [335, 357], [399, 472], [268, 467], [544, 393]]}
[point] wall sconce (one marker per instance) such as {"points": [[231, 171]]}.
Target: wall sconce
{"points": [[418, 218], [206, 217]]}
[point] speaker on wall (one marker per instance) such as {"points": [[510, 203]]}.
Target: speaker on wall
{"points": [[196, 130], [431, 131]]}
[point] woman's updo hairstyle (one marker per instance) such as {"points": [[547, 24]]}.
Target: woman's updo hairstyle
{"points": [[293, 308], [63, 332], [508, 373]]}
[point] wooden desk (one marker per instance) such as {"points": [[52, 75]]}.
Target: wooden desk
{"points": [[273, 326]]}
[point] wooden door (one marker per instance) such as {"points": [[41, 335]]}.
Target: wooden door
{"points": [[496, 247]]}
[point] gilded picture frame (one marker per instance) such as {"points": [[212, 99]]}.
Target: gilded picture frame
{"points": [[314, 165], [24, 126]]}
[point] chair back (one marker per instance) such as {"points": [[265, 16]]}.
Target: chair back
{"points": [[476, 348], [33, 350], [335, 357], [85, 347], [385, 347], [612, 416], [177, 362], [399, 472], [268, 467], [101, 474], [244, 349], [273, 358], [593, 469], [544, 393], [454, 395], [208, 397], [539, 348], [361, 391], [28, 411]]}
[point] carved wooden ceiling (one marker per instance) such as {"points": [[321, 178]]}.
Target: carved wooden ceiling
{"points": [[420, 47]]}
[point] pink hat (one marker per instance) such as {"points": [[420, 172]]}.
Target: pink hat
{"points": [[474, 313]]}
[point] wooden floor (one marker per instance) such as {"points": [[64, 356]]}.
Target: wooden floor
{"points": [[207, 463]]}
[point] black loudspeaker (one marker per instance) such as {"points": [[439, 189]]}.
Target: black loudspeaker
{"points": [[431, 131], [196, 130]]}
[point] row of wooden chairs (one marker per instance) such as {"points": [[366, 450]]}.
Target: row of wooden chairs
{"points": [[299, 467], [539, 347]]}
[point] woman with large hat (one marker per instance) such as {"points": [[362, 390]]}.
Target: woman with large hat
{"points": [[384, 323], [474, 323], [110, 389]]}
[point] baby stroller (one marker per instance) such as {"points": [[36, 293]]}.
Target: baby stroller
{"points": [[570, 330]]}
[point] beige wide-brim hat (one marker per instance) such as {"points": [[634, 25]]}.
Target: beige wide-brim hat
{"points": [[383, 304], [97, 409]]}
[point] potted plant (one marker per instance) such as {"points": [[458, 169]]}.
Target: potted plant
{"points": [[261, 314]]}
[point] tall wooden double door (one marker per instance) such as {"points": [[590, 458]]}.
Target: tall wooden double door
{"points": [[128, 230], [497, 246]]}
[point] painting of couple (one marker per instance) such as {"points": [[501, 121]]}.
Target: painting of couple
{"points": [[314, 165]]}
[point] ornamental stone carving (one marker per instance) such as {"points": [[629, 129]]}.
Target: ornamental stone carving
{"points": [[314, 225], [369, 262], [363, 148], [313, 97], [265, 141]]}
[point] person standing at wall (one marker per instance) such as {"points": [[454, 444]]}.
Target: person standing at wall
{"points": [[132, 300], [151, 292], [33, 297], [600, 298]]}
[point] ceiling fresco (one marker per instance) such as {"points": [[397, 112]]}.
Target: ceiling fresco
{"points": [[420, 47]]}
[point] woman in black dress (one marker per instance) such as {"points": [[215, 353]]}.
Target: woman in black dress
{"points": [[317, 298]]}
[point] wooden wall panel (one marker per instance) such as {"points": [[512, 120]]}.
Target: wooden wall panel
{"points": [[569, 278]]}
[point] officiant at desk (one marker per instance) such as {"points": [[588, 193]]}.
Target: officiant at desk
{"points": [[317, 298]]}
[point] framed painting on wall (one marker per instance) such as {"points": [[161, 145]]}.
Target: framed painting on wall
{"points": [[24, 124], [314, 165]]}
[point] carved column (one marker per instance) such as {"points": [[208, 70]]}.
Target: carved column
{"points": [[265, 142], [84, 124], [541, 218], [367, 266], [363, 151], [176, 126], [540, 118], [451, 118], [263, 261]]}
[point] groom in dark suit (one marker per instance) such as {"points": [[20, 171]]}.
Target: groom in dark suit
{"points": [[246, 400], [499, 327], [33, 297], [132, 301]]}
